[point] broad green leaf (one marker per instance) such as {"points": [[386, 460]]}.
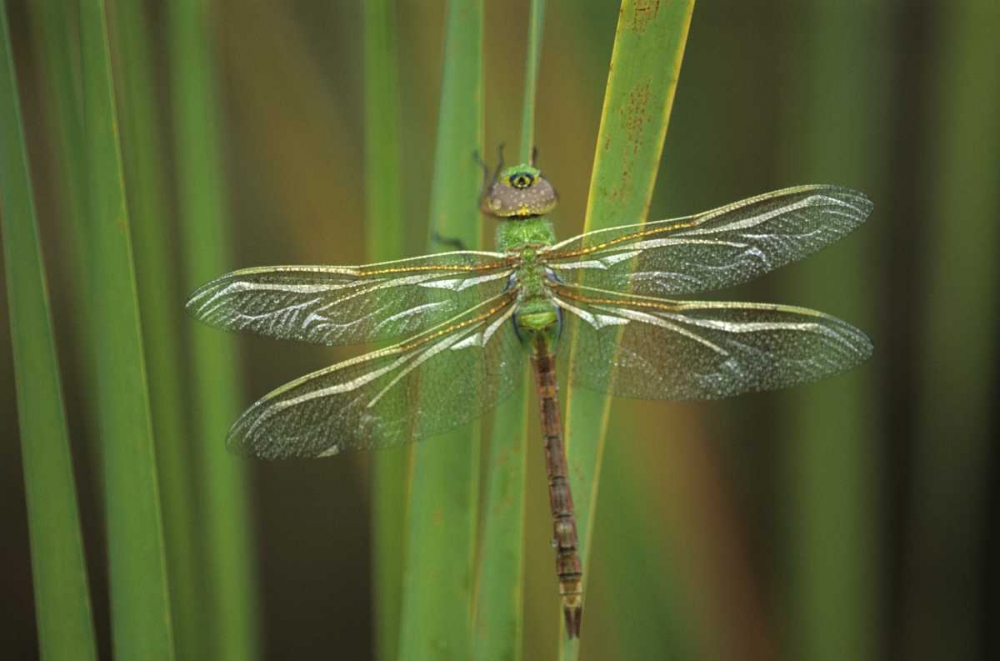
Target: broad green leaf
{"points": [[56, 35], [438, 573], [385, 239], [956, 415], [645, 66], [499, 621], [832, 470], [59, 573], [140, 604], [231, 606], [143, 157]]}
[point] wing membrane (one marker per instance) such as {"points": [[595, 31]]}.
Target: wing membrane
{"points": [[350, 305], [438, 380], [712, 250], [650, 348]]}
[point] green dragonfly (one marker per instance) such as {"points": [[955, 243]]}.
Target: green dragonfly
{"points": [[471, 318]]}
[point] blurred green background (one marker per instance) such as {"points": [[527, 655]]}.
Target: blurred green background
{"points": [[856, 518]]}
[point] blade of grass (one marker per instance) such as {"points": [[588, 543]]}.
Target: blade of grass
{"points": [[685, 588], [645, 66], [438, 574], [832, 468], [386, 239], [140, 605], [676, 503], [652, 607], [59, 573], [957, 419], [57, 40], [499, 607], [231, 608], [56, 32], [143, 158], [536, 23]]}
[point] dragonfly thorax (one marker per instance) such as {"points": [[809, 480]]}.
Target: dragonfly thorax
{"points": [[537, 315], [524, 234]]}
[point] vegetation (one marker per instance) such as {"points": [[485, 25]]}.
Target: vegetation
{"points": [[145, 149]]}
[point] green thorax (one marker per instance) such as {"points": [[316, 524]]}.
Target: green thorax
{"points": [[513, 235], [537, 317]]}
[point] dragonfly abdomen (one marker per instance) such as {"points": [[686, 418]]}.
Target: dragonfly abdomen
{"points": [[568, 565]]}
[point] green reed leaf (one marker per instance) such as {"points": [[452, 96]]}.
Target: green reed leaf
{"points": [[645, 66], [440, 550], [140, 604], [499, 620], [59, 574], [955, 423], [831, 137], [231, 608], [143, 156], [386, 241]]}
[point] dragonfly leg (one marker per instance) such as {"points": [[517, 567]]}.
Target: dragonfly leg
{"points": [[487, 179], [496, 175], [448, 242]]}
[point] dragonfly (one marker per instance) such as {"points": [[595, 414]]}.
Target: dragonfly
{"points": [[467, 321]]}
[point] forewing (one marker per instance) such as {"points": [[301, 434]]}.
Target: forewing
{"points": [[438, 380], [650, 348], [350, 305], [712, 250]]}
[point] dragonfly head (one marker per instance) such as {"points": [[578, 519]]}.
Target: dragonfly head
{"points": [[517, 192]]}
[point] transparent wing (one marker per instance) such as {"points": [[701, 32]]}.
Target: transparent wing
{"points": [[354, 304], [712, 250], [701, 350], [438, 380]]}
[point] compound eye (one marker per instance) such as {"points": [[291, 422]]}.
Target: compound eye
{"points": [[521, 180]]}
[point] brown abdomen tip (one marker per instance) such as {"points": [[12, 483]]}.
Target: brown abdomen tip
{"points": [[573, 612]]}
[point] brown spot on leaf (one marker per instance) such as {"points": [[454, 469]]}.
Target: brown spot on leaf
{"points": [[643, 14], [636, 116]]}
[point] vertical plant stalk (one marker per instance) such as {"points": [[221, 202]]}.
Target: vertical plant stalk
{"points": [[140, 603], [56, 35], [832, 468], [438, 575], [956, 438], [59, 573], [499, 607], [143, 158], [656, 615], [645, 66], [231, 608], [536, 24], [385, 240]]}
